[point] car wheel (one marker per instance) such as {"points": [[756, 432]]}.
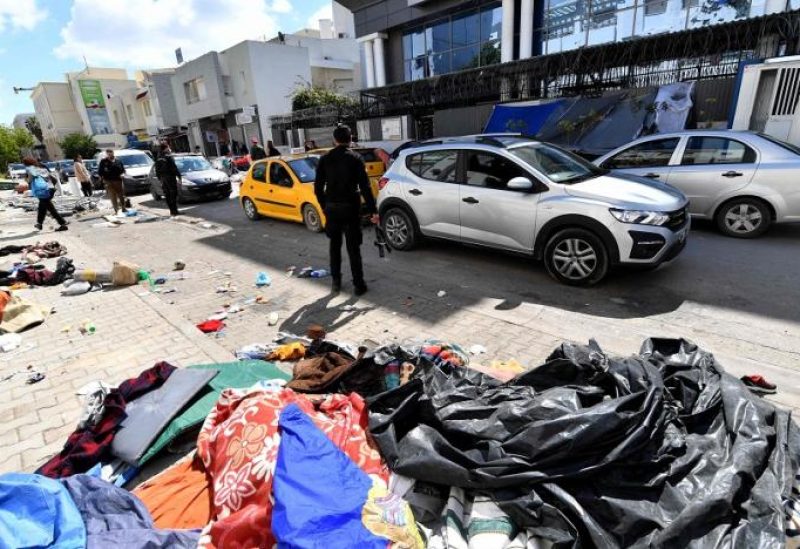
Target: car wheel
{"points": [[576, 257], [400, 230], [250, 209], [155, 194], [312, 219], [744, 218]]}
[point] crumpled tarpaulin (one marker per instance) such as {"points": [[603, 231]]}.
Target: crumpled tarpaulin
{"points": [[662, 449], [87, 447], [38, 512], [18, 314], [239, 445], [114, 518]]}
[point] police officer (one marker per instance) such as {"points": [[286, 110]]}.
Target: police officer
{"points": [[341, 177]]}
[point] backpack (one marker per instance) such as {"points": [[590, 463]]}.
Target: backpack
{"points": [[39, 187]]}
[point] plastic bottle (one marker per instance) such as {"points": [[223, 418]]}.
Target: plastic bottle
{"points": [[88, 328], [320, 273]]}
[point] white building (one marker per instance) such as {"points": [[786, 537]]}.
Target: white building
{"points": [[335, 62], [57, 114]]}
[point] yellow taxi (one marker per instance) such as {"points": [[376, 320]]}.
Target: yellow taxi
{"points": [[283, 188], [372, 161]]}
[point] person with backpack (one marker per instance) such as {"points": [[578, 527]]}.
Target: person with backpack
{"points": [[42, 187], [169, 175]]}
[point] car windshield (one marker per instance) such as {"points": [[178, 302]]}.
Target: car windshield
{"points": [[134, 160], [16, 166], [192, 164], [90, 164], [305, 168], [51, 165], [783, 144], [558, 165], [67, 163]]}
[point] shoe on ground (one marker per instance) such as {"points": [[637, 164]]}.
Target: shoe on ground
{"points": [[62, 228], [336, 286], [38, 226], [759, 385], [360, 289]]}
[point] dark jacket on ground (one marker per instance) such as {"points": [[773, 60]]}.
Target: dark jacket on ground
{"points": [[341, 175], [166, 169], [111, 170], [257, 152]]}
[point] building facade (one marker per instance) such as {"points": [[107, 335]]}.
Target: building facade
{"points": [[57, 114]]}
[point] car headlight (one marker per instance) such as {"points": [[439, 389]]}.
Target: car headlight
{"points": [[187, 182], [640, 217]]}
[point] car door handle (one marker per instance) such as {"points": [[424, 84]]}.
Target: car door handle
{"points": [[652, 175], [415, 192], [470, 200], [732, 174]]}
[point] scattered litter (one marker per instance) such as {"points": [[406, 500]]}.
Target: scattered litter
{"points": [[9, 342], [73, 287], [207, 226], [305, 272], [272, 319], [169, 290], [290, 271], [320, 273], [210, 326], [35, 377], [261, 299], [408, 302], [228, 274], [131, 213], [758, 385], [226, 288], [218, 316], [235, 309], [113, 219], [263, 279], [179, 266], [441, 293], [160, 280], [88, 328], [104, 224], [477, 350], [66, 329]]}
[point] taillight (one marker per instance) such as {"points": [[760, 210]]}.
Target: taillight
{"points": [[382, 182]]}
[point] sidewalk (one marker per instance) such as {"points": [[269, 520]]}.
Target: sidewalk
{"points": [[132, 334]]}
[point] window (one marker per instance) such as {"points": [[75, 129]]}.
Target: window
{"points": [[556, 164], [463, 41], [260, 172], [226, 85], [655, 7], [188, 164], [147, 108], [117, 118], [435, 165], [279, 175], [716, 150], [650, 154], [129, 110], [194, 90], [305, 169], [491, 171], [783, 144]]}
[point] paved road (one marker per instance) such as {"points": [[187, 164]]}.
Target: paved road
{"points": [[737, 298]]}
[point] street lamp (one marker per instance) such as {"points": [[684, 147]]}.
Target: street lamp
{"points": [[17, 90]]}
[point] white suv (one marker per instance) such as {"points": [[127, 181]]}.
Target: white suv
{"points": [[512, 193]]}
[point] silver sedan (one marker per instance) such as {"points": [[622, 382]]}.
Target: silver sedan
{"points": [[742, 180]]}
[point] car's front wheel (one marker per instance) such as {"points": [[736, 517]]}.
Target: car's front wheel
{"points": [[250, 209], [576, 257], [312, 219], [399, 228], [744, 218]]}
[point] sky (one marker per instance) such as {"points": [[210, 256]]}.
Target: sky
{"points": [[41, 40]]}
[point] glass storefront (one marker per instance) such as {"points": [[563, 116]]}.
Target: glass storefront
{"points": [[570, 24], [462, 41]]}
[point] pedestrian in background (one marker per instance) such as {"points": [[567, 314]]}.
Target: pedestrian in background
{"points": [[169, 175], [83, 176], [257, 152], [111, 170], [40, 175], [341, 178], [273, 151]]}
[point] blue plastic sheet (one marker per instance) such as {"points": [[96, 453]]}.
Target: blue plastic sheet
{"points": [[37, 511], [319, 492], [525, 118]]}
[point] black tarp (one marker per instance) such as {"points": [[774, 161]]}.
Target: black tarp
{"points": [[662, 449]]}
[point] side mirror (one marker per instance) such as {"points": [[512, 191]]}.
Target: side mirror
{"points": [[520, 184]]}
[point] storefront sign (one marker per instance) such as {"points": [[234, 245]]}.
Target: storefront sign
{"points": [[95, 104]]}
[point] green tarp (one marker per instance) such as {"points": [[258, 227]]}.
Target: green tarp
{"points": [[236, 375]]}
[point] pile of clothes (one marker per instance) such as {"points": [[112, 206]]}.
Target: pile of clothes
{"points": [[412, 447]]}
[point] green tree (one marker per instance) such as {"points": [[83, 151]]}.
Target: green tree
{"points": [[306, 96], [13, 143], [35, 128], [75, 144]]}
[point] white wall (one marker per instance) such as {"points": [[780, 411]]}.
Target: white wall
{"points": [[343, 21], [207, 67]]}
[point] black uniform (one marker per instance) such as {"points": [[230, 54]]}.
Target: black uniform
{"points": [[257, 152], [169, 175], [341, 178]]}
